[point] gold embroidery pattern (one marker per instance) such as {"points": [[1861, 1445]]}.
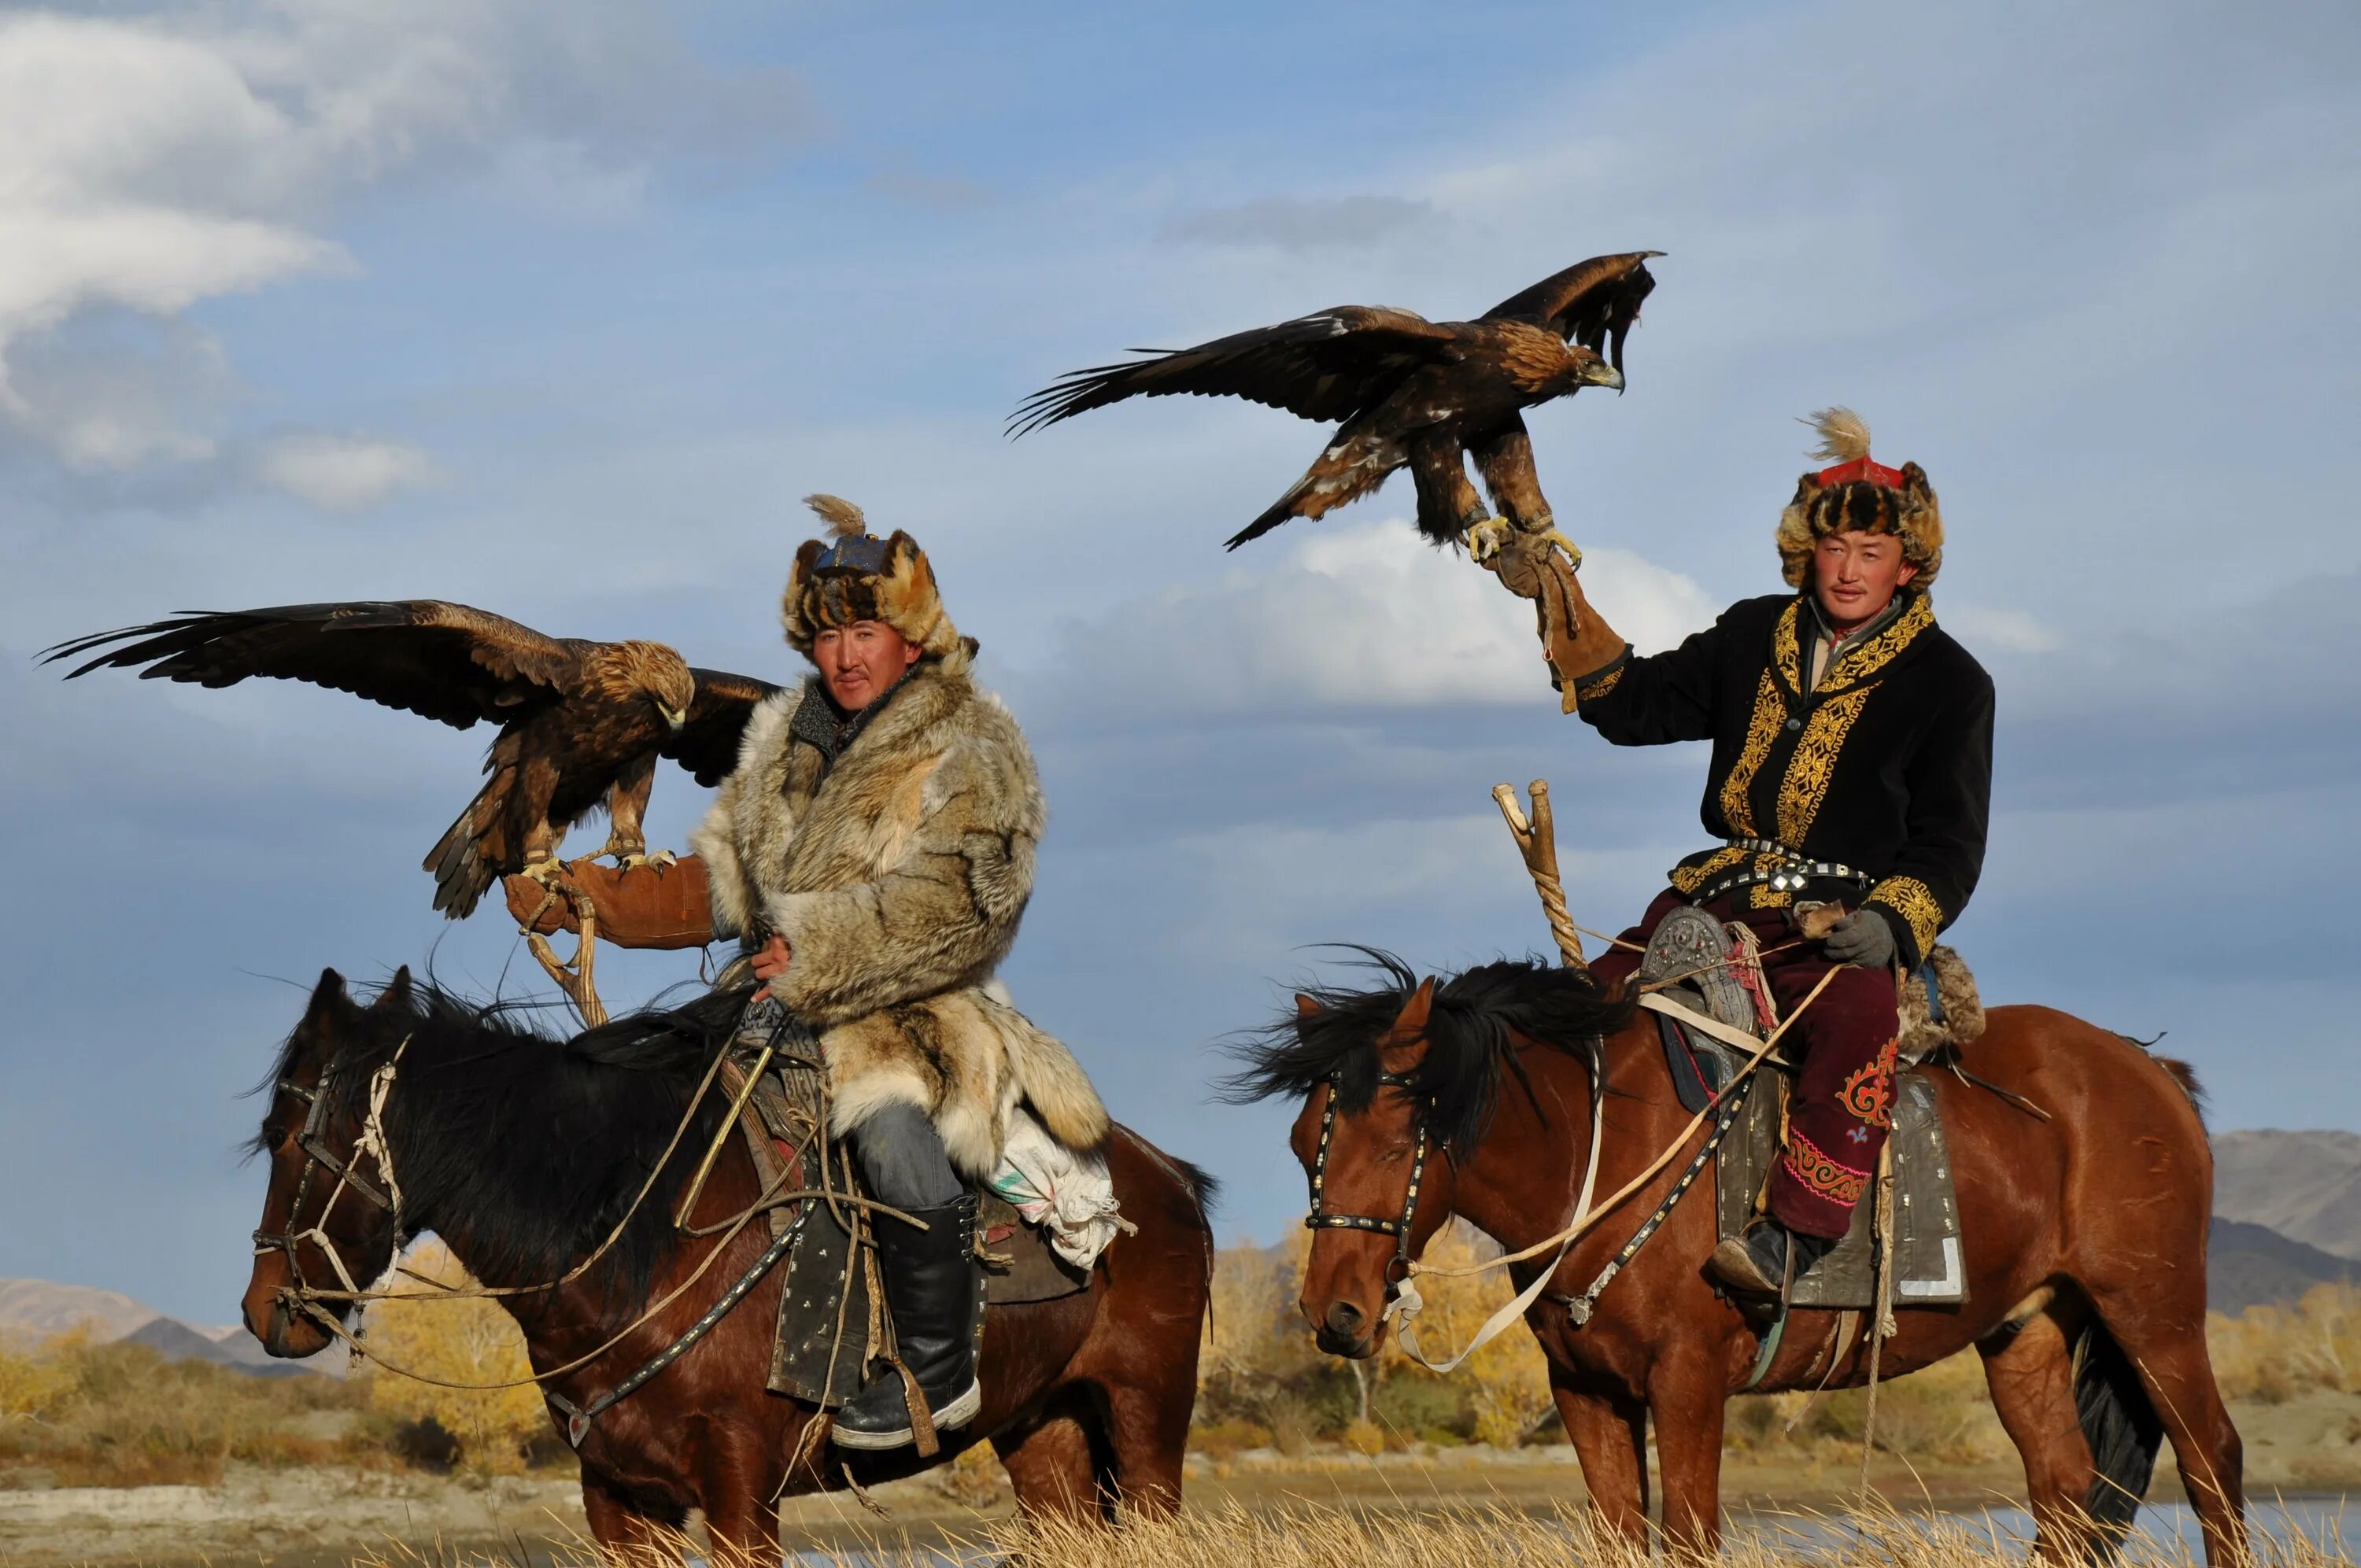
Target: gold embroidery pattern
{"points": [[1592, 691], [1916, 903], [1761, 731], [1763, 896], [1784, 655], [1869, 1092], [1873, 655], [1688, 879], [1815, 764]]}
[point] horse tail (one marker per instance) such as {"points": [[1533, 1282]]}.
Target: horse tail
{"points": [[2123, 1430]]}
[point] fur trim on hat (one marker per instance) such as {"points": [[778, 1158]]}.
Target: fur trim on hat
{"points": [[901, 593], [1909, 514]]}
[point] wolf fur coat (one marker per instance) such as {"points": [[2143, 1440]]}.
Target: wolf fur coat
{"points": [[896, 876]]}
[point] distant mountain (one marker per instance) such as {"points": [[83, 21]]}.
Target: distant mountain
{"points": [[35, 1309], [2250, 1265], [2303, 1185]]}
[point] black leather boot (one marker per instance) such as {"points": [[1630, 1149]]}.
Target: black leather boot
{"points": [[931, 1291], [1766, 1262]]}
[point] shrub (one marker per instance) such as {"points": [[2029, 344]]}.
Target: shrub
{"points": [[466, 1340]]}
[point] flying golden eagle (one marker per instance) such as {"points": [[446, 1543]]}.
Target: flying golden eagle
{"points": [[1409, 391], [582, 723]]}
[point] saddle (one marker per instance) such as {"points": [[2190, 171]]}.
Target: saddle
{"points": [[829, 1318], [1694, 961]]}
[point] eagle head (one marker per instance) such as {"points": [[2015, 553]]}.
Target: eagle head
{"points": [[1588, 367], [661, 675]]}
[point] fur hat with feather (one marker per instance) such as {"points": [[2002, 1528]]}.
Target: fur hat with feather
{"points": [[853, 575], [1858, 493]]}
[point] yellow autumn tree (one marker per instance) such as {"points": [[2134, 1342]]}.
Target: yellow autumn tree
{"points": [[35, 1380], [1507, 1380], [458, 1340]]}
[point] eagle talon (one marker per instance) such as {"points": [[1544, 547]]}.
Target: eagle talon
{"points": [[1484, 539], [549, 871], [632, 860], [1572, 551]]}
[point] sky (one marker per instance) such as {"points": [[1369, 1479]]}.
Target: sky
{"points": [[558, 310]]}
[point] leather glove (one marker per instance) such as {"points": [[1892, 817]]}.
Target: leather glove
{"points": [[1575, 639], [1863, 939]]}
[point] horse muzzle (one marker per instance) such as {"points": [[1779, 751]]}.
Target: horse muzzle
{"points": [[1345, 1330]]}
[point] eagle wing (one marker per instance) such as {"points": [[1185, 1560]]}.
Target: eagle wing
{"points": [[1592, 302], [447, 662], [1327, 366], [708, 744]]}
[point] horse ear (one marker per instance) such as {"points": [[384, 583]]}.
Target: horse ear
{"points": [[1410, 1024], [1304, 1005], [326, 995], [395, 997]]}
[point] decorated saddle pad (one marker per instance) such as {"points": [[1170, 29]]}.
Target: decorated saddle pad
{"points": [[826, 1324]]}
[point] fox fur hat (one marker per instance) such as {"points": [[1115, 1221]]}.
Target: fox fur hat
{"points": [[1859, 495], [854, 575]]}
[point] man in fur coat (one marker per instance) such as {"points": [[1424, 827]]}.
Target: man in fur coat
{"points": [[874, 852], [1851, 770]]}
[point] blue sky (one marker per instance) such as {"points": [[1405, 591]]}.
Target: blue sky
{"points": [[557, 310]]}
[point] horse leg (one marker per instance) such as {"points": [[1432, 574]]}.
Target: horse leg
{"points": [[1050, 1467], [2031, 1374], [739, 1484], [1147, 1433], [2165, 1341], [1610, 1438], [628, 1528], [1687, 1397]]}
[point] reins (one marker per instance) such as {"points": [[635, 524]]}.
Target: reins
{"points": [[1405, 1303]]}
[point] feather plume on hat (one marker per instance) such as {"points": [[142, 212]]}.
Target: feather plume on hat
{"points": [[1844, 435], [843, 518]]}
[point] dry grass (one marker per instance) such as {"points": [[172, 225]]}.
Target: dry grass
{"points": [[1481, 1536]]}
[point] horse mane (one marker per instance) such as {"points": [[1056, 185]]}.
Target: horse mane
{"points": [[1468, 1039], [526, 1144]]}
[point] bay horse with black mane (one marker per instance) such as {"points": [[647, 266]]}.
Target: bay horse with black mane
{"points": [[524, 1152], [2085, 1237]]}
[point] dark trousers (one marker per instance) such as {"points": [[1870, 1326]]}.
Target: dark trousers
{"points": [[902, 1157], [1842, 1101]]}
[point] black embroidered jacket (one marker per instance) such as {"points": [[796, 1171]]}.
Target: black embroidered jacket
{"points": [[1885, 767]]}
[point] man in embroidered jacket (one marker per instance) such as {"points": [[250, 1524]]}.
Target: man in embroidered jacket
{"points": [[1851, 765]]}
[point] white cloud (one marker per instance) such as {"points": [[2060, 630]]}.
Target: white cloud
{"points": [[1990, 626], [149, 161], [1367, 616], [340, 473]]}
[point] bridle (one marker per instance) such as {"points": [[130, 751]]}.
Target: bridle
{"points": [[1400, 1229], [317, 1156]]}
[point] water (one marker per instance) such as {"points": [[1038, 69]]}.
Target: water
{"points": [[2165, 1532]]}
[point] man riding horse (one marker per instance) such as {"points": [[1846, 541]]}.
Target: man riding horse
{"points": [[874, 852], [1852, 767]]}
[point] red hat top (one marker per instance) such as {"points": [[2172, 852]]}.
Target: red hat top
{"points": [[1844, 438]]}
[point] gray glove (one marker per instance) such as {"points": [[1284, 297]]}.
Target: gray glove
{"points": [[1861, 939]]}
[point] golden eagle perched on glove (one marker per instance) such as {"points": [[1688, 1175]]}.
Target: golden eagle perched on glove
{"points": [[1408, 392], [582, 723]]}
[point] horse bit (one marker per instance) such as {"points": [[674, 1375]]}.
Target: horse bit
{"points": [[1321, 1220], [317, 1156]]}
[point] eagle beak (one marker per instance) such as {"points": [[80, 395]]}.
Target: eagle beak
{"points": [[1602, 374], [674, 717]]}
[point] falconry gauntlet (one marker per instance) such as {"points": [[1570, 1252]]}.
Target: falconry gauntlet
{"points": [[1575, 641]]}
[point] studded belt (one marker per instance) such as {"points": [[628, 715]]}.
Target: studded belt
{"points": [[1790, 875]]}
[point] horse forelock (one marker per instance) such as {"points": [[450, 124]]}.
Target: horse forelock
{"points": [[1473, 1030]]}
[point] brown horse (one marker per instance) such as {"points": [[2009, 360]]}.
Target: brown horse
{"points": [[2085, 1236], [525, 1152]]}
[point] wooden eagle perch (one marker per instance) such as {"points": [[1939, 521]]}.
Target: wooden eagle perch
{"points": [[1409, 392], [582, 723]]}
